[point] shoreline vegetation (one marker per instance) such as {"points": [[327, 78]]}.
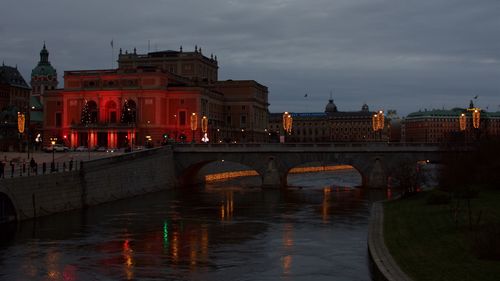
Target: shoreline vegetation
{"points": [[448, 238]]}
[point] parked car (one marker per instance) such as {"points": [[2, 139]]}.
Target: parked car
{"points": [[60, 148], [47, 148], [101, 149], [56, 148], [81, 149]]}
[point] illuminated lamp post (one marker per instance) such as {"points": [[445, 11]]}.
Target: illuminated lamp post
{"points": [[287, 123], [53, 142], [194, 125], [375, 122], [476, 117], [378, 121], [175, 118], [204, 128], [20, 126], [463, 122], [381, 120]]}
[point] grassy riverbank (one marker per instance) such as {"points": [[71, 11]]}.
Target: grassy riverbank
{"points": [[429, 244]]}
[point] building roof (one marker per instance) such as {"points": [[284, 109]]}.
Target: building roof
{"points": [[44, 68], [454, 112], [11, 76], [330, 108], [338, 114]]}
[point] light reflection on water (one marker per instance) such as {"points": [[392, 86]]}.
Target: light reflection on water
{"points": [[217, 232]]}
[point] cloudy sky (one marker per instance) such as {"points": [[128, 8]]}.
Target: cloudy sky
{"points": [[391, 54]]}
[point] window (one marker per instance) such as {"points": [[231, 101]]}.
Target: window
{"points": [[58, 119], [182, 118], [112, 117], [243, 120]]}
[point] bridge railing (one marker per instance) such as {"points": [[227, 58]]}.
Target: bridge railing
{"points": [[319, 145]]}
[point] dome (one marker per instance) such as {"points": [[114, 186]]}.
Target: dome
{"points": [[330, 107], [44, 68], [365, 108]]}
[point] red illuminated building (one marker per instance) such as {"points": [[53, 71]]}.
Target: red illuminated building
{"points": [[153, 98]]}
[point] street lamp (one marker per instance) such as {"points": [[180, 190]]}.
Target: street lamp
{"points": [[381, 120], [476, 117], [175, 119], [463, 122], [53, 142], [378, 121], [194, 125], [287, 123], [20, 127], [204, 128]]}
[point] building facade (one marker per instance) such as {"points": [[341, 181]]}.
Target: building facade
{"points": [[43, 76], [43, 79], [144, 102], [330, 126], [443, 126], [14, 99]]}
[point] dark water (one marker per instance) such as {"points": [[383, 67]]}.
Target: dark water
{"points": [[216, 232]]}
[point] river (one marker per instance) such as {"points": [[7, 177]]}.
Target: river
{"points": [[315, 230]]}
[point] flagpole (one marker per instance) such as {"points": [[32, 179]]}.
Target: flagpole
{"points": [[112, 53], [306, 102]]}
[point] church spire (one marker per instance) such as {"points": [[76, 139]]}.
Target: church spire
{"points": [[44, 55]]}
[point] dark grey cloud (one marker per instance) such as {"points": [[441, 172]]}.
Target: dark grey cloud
{"points": [[406, 55]]}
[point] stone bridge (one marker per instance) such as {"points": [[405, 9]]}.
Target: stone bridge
{"points": [[376, 162]]}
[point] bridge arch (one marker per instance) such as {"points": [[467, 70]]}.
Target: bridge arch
{"points": [[7, 209], [196, 173], [326, 167]]}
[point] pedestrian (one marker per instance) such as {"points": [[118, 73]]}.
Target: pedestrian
{"points": [[71, 164], [44, 167], [64, 166], [2, 169], [11, 168], [24, 166], [32, 164]]}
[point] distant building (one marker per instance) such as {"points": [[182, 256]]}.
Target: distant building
{"points": [[43, 80], [150, 99], [14, 98], [43, 76], [331, 125], [443, 126], [191, 65], [14, 91]]}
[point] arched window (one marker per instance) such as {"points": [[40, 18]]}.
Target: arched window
{"points": [[129, 112], [89, 113], [111, 112]]}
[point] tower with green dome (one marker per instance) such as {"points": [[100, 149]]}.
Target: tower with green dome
{"points": [[43, 76]]}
